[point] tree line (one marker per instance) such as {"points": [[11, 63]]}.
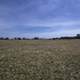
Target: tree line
{"points": [[37, 38]]}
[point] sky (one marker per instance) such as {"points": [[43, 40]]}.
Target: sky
{"points": [[39, 18]]}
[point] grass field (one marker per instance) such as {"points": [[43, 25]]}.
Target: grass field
{"points": [[40, 60]]}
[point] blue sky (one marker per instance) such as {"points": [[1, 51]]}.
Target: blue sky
{"points": [[42, 18]]}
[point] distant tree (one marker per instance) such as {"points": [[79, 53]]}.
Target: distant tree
{"points": [[54, 38], [36, 38], [6, 38], [23, 38], [18, 38], [1, 38], [67, 38], [78, 35]]}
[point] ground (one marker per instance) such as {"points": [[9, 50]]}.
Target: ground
{"points": [[40, 60]]}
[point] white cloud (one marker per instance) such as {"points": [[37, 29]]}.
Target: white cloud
{"points": [[60, 33], [54, 24]]}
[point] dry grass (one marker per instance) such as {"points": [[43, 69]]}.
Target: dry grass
{"points": [[40, 60]]}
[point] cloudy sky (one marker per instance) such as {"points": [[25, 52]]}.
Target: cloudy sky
{"points": [[42, 18]]}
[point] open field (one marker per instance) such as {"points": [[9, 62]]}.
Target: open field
{"points": [[40, 60]]}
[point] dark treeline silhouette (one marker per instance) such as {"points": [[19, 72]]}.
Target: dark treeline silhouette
{"points": [[66, 37], [37, 38], [2, 38]]}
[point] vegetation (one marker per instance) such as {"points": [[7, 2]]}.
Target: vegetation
{"points": [[37, 38], [40, 59]]}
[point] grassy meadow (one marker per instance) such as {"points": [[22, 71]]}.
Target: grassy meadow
{"points": [[40, 60]]}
